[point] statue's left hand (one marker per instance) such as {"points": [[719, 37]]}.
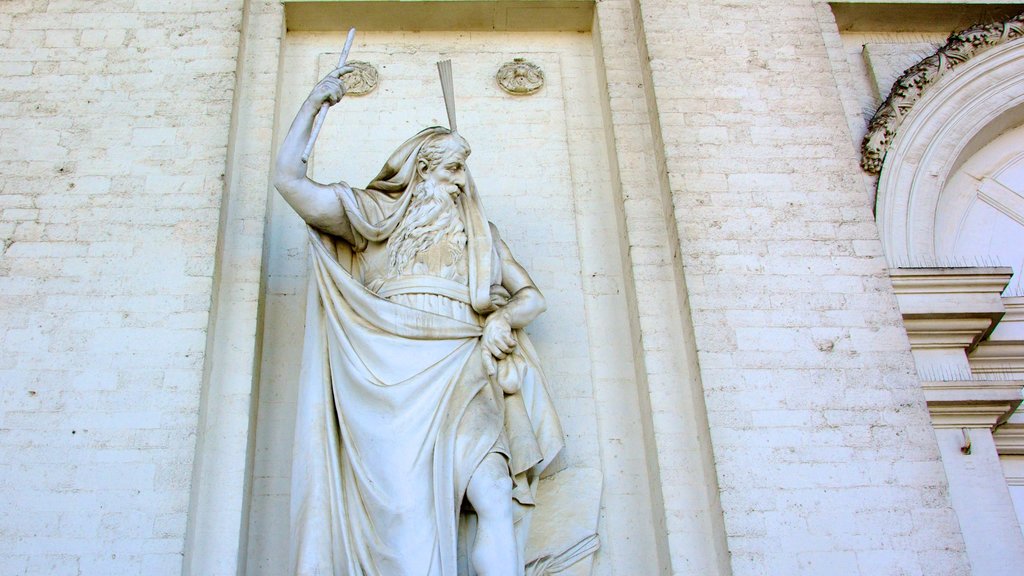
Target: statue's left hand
{"points": [[497, 339]]}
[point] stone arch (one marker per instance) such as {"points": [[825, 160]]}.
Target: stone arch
{"points": [[958, 116], [979, 218]]}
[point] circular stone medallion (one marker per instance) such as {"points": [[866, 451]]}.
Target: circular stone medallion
{"points": [[360, 81], [520, 77]]}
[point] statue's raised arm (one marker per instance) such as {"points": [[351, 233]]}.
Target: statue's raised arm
{"points": [[316, 203]]}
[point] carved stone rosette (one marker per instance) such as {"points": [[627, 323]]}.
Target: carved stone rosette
{"points": [[908, 89], [360, 81], [520, 77]]}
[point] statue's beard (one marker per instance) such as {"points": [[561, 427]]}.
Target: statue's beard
{"points": [[431, 215]]}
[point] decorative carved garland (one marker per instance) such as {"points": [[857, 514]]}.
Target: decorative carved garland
{"points": [[908, 89]]}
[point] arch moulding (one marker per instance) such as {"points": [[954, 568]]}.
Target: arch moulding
{"points": [[954, 118]]}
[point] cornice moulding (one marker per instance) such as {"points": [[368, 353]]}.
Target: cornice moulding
{"points": [[944, 307], [998, 358], [428, 15], [1011, 327], [944, 332], [1009, 439], [951, 280], [1014, 308], [1015, 303], [972, 403]]}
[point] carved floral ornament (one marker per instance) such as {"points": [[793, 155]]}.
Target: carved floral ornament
{"points": [[520, 77], [911, 86], [362, 80]]}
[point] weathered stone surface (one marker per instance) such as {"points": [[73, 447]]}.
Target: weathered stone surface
{"points": [[741, 376], [113, 136]]}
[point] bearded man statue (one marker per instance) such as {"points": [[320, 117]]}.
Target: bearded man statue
{"points": [[423, 420]]}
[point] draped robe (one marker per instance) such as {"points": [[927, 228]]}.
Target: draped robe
{"points": [[395, 407]]}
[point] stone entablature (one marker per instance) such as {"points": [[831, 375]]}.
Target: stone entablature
{"points": [[972, 403], [948, 313], [962, 303], [1010, 439]]}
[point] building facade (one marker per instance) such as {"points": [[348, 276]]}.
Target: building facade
{"points": [[781, 243]]}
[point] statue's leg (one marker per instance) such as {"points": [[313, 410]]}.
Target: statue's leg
{"points": [[490, 493]]}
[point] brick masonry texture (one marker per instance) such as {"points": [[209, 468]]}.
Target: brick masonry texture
{"points": [[754, 278], [825, 456], [113, 137]]}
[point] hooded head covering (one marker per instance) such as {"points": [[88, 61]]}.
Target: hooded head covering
{"points": [[398, 173], [389, 195]]}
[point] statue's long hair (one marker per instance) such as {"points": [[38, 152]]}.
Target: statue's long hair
{"points": [[393, 188], [432, 214]]}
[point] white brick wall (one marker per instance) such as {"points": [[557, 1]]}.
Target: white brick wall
{"points": [[678, 456], [825, 455], [113, 132]]}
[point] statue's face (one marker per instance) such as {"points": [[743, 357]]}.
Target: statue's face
{"points": [[450, 171]]}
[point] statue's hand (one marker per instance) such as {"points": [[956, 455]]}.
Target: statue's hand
{"points": [[331, 89], [497, 338]]}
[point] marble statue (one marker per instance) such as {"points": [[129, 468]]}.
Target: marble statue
{"points": [[424, 421]]}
